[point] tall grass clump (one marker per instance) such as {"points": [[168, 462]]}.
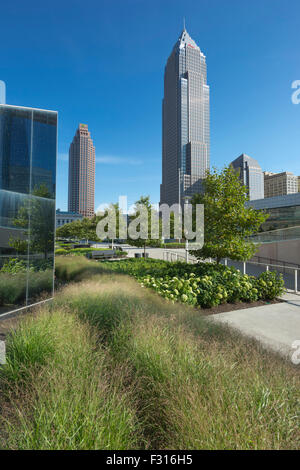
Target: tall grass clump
{"points": [[58, 389], [13, 286], [77, 268], [197, 385]]}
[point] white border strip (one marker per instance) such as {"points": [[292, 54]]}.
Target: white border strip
{"points": [[23, 308]]}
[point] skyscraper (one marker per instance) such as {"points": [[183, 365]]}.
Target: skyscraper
{"points": [[82, 173], [185, 108], [251, 175]]}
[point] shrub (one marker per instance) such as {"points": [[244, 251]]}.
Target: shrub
{"points": [[269, 284], [14, 266], [77, 251], [121, 254], [216, 288], [61, 251], [203, 284]]}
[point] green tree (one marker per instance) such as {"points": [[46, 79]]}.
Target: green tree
{"points": [[227, 221], [79, 229], [19, 244], [146, 238], [36, 217]]}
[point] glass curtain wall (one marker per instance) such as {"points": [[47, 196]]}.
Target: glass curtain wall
{"points": [[28, 142]]}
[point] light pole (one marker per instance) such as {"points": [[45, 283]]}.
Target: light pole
{"points": [[186, 201]]}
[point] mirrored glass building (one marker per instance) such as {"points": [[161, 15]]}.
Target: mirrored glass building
{"points": [[28, 148]]}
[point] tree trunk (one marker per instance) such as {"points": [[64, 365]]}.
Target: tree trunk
{"points": [[144, 250]]}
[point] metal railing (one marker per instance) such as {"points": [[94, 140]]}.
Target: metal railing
{"points": [[174, 256], [281, 234]]}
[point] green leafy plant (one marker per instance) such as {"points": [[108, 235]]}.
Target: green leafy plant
{"points": [[216, 288], [14, 266], [227, 221]]}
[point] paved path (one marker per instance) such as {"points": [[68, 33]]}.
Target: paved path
{"points": [[156, 253], [276, 326]]}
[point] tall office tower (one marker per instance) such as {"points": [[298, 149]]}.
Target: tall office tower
{"points": [[251, 175], [82, 173], [185, 107], [280, 184]]}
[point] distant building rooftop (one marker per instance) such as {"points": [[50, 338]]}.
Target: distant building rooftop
{"points": [[276, 201], [252, 163]]}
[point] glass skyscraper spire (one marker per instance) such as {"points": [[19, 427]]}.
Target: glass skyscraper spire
{"points": [[185, 143]]}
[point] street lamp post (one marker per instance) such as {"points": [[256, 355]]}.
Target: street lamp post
{"points": [[186, 201]]}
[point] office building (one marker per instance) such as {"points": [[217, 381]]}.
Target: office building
{"points": [[251, 175], [28, 141], [185, 120], [280, 184], [82, 173], [64, 217], [284, 211]]}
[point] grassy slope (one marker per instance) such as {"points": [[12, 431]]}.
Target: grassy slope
{"points": [[184, 383]]}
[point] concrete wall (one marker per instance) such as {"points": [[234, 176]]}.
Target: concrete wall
{"points": [[287, 251]]}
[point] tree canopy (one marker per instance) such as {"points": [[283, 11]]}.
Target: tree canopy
{"points": [[36, 217], [146, 219], [228, 222], [79, 229]]}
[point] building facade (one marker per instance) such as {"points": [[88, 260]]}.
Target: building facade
{"points": [[28, 142], [251, 175], [284, 211], [185, 122], [82, 173], [64, 217], [280, 184]]}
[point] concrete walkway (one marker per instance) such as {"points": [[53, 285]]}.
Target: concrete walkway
{"points": [[276, 326]]}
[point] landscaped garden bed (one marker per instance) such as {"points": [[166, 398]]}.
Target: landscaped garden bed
{"points": [[213, 288], [84, 251], [205, 285]]}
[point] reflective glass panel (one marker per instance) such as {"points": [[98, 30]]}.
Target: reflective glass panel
{"points": [[27, 205]]}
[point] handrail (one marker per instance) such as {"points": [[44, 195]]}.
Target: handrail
{"points": [[166, 254], [250, 262]]}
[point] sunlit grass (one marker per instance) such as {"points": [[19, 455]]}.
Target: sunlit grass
{"points": [[199, 385], [112, 365], [60, 391]]}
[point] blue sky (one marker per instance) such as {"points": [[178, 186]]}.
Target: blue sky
{"points": [[102, 63]]}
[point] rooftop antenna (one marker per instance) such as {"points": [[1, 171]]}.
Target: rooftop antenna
{"points": [[184, 23]]}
